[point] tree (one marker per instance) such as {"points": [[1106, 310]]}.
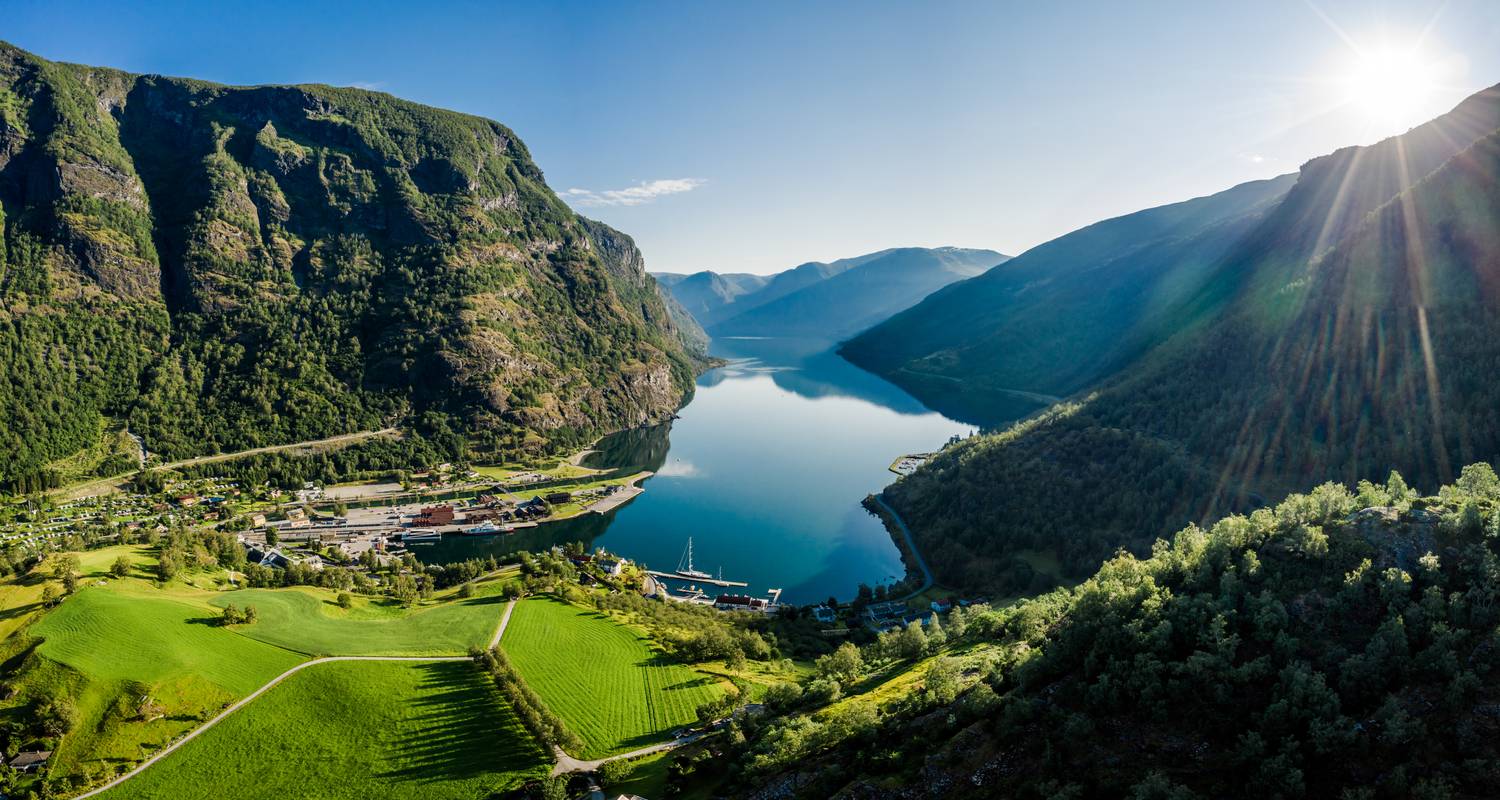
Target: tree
{"points": [[345, 600], [911, 642], [121, 567], [166, 567], [67, 564], [51, 596], [272, 537], [555, 788], [958, 621], [843, 665], [251, 615], [612, 773], [936, 637], [942, 683]]}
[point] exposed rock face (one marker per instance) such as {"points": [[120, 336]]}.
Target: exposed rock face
{"points": [[227, 267]]}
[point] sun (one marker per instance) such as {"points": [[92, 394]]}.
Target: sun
{"points": [[1390, 84]]}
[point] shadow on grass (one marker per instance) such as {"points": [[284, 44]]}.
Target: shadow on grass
{"points": [[467, 730]]}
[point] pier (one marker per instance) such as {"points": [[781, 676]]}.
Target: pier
{"points": [[695, 578]]}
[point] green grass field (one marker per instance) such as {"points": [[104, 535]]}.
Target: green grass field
{"points": [[356, 730], [309, 621], [605, 681], [107, 647], [112, 635]]}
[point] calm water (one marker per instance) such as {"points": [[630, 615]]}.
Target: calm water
{"points": [[765, 470]]}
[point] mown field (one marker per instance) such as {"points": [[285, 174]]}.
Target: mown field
{"points": [[310, 621], [139, 665], [142, 663], [605, 681], [356, 730]]}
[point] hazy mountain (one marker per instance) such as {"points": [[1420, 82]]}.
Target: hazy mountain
{"points": [[1062, 314], [1344, 335], [845, 303], [709, 295], [824, 300], [227, 267]]}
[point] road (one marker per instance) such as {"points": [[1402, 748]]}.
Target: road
{"points": [[500, 629], [194, 733], [567, 763], [911, 544], [103, 485]]}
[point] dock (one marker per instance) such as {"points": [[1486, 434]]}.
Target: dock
{"points": [[695, 579]]}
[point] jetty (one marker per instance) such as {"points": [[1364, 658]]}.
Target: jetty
{"points": [[695, 578]]}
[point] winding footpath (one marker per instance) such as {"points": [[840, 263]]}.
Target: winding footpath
{"points": [[194, 733], [911, 544]]}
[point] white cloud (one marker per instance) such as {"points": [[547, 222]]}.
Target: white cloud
{"points": [[643, 192]]}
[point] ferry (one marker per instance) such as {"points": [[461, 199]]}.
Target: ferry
{"points": [[420, 535], [486, 528]]}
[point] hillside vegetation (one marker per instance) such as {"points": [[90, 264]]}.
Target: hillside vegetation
{"points": [[227, 267], [1345, 335], [1340, 645]]}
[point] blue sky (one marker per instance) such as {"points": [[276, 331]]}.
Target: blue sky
{"points": [[755, 136]]}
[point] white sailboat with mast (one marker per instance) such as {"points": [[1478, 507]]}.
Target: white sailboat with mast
{"points": [[687, 571]]}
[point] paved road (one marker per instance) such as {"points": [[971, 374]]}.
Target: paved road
{"points": [[193, 734], [567, 763], [911, 544]]}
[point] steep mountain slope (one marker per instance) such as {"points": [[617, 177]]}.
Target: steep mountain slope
{"points": [[853, 300], [229, 267], [1340, 645], [1328, 359], [1063, 314]]}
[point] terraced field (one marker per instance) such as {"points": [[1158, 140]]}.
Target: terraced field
{"points": [[354, 730], [308, 621], [606, 682]]}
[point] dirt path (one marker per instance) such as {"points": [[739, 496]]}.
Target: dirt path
{"points": [[194, 733], [500, 629], [105, 485]]}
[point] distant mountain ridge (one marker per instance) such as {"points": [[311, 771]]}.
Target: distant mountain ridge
{"points": [[830, 300]]}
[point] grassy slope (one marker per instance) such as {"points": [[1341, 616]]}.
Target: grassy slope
{"points": [[356, 730], [106, 645], [605, 681], [309, 621], [127, 636]]}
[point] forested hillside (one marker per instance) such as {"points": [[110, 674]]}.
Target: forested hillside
{"points": [[1339, 645], [222, 268], [1348, 336]]}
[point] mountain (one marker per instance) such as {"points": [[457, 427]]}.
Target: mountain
{"points": [[1340, 645], [227, 267], [1344, 334], [1063, 314], [847, 302], [708, 295], [823, 300]]}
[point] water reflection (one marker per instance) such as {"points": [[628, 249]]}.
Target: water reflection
{"points": [[765, 470]]}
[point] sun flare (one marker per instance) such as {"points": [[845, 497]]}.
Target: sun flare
{"points": [[1390, 83]]}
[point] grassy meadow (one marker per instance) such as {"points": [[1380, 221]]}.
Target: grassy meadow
{"points": [[310, 621], [354, 730], [606, 682]]}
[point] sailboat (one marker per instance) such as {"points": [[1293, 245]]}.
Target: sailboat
{"points": [[687, 559]]}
